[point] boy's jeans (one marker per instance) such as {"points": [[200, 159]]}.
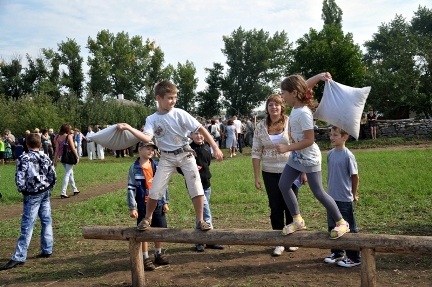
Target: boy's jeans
{"points": [[206, 212], [347, 211], [34, 206]]}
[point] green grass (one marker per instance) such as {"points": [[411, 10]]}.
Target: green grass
{"points": [[395, 198]]}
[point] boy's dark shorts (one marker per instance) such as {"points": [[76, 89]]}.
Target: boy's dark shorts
{"points": [[1, 154], [158, 219]]}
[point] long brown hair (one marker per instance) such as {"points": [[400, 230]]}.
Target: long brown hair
{"points": [[304, 94], [279, 124]]}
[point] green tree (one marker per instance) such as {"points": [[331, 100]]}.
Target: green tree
{"points": [[331, 13], [421, 25], [119, 64], [208, 101], [156, 74], [255, 63], [10, 78], [329, 50], [184, 79], [392, 71], [73, 77], [52, 84]]}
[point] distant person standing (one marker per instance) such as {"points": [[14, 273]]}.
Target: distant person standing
{"points": [[372, 117], [100, 148], [238, 125], [91, 148]]}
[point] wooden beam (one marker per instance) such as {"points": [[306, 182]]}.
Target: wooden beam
{"points": [[368, 268], [351, 241], [137, 264]]}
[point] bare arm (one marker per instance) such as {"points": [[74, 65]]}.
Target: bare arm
{"points": [[355, 184], [256, 163], [308, 140], [137, 133], [311, 82]]}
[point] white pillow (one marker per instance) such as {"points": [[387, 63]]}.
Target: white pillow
{"points": [[342, 106], [114, 139]]}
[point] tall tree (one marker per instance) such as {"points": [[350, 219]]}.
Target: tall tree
{"points": [[184, 79], [329, 50], [10, 78], [331, 13], [119, 64], [156, 74], [421, 25], [52, 84], [73, 77], [391, 59], [255, 62], [209, 101]]}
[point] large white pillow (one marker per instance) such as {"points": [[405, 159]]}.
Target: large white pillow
{"points": [[114, 139], [342, 106]]}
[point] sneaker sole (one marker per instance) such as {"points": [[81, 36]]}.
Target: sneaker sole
{"points": [[339, 235]]}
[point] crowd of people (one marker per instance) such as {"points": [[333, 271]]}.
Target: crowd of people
{"points": [[283, 150]]}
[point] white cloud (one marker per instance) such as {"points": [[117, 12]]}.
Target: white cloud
{"points": [[186, 30]]}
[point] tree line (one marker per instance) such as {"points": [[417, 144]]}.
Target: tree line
{"points": [[53, 88]]}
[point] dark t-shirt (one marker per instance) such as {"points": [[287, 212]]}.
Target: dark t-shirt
{"points": [[370, 119]]}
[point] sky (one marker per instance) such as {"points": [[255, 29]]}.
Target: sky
{"points": [[185, 30]]}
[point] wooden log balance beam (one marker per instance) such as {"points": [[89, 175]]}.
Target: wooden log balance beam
{"points": [[368, 244]]}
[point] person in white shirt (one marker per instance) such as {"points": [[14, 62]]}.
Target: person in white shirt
{"points": [[91, 148], [238, 126]]}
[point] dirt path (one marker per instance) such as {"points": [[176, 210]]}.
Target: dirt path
{"points": [[15, 210]]}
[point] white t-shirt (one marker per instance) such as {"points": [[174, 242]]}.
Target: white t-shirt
{"points": [[171, 129], [300, 120], [237, 124]]}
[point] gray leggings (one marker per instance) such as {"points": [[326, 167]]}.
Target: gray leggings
{"points": [[288, 177]]}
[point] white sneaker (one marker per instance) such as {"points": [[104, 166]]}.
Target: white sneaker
{"points": [[278, 251], [292, 249], [348, 263], [234, 154]]}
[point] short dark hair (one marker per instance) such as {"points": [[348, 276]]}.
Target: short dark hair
{"points": [[33, 140], [165, 88], [341, 131]]}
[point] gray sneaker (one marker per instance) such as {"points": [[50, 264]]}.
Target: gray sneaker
{"points": [[204, 226], [144, 224]]}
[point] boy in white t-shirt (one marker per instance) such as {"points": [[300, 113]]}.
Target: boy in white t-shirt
{"points": [[170, 126]]}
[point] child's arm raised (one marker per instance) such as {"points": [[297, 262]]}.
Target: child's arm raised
{"points": [[137, 133], [311, 82]]}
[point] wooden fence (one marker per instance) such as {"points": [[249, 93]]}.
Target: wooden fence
{"points": [[368, 244]]}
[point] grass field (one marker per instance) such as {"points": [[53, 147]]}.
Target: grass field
{"points": [[395, 198]]}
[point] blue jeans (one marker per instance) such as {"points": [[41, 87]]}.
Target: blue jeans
{"points": [[35, 205], [68, 178], [347, 211], [206, 212]]}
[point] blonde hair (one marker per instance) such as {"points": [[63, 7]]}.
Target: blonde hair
{"points": [[304, 94]]}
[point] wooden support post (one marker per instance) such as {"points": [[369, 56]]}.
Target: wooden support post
{"points": [[137, 264], [368, 268]]}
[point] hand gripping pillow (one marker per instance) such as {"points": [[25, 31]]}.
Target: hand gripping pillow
{"points": [[114, 139], [342, 106]]}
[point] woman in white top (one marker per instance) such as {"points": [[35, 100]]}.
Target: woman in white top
{"points": [[273, 129]]}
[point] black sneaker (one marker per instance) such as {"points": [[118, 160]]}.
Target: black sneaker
{"points": [[148, 265], [333, 258], [161, 259], [215, 246], [199, 247], [348, 263]]}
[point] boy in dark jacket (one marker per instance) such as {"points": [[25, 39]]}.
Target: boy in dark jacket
{"points": [[140, 180]]}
